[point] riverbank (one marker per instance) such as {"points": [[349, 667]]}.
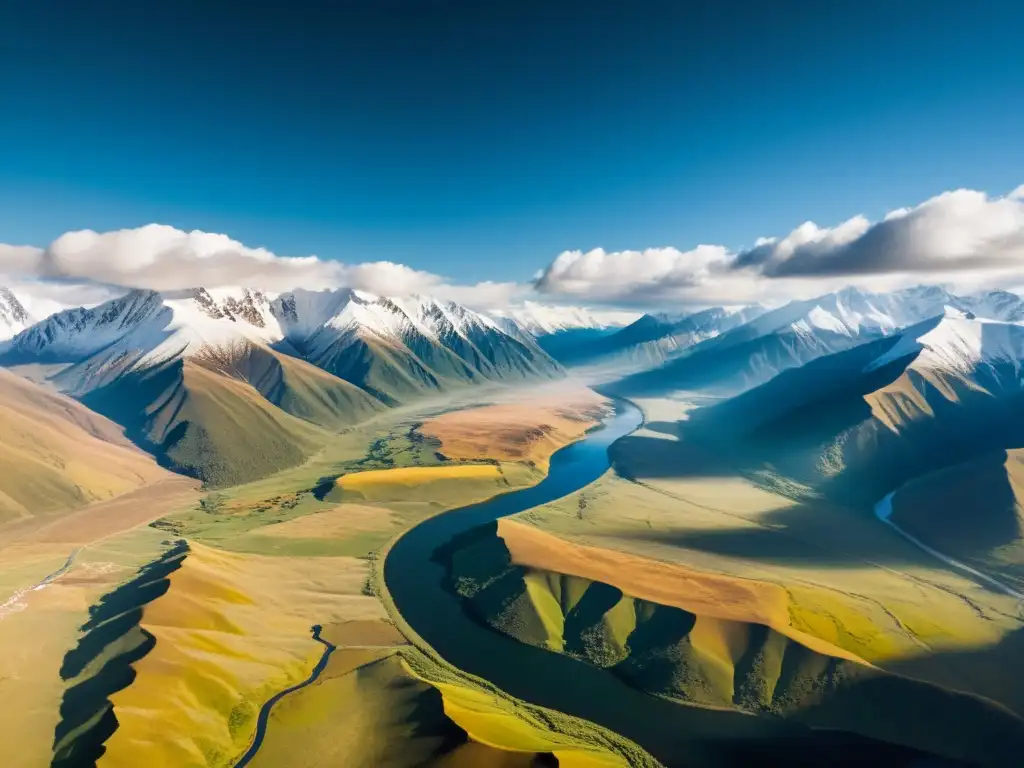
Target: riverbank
{"points": [[564, 732]]}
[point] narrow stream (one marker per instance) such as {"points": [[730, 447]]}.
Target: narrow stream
{"points": [[264, 717], [883, 511]]}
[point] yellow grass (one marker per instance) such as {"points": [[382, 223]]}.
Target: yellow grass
{"points": [[433, 484], [476, 712], [706, 594], [57, 455], [415, 476], [338, 522], [35, 637], [231, 630], [521, 431]]}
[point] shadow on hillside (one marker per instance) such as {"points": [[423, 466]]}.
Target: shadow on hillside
{"points": [[857, 714], [637, 457], [994, 671], [971, 508], [805, 534], [112, 642]]}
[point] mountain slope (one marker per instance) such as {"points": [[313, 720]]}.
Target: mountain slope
{"points": [[706, 639], [973, 511], [193, 379], [14, 317], [398, 349], [788, 337], [295, 386], [656, 338], [906, 409], [230, 385], [205, 424], [58, 455]]}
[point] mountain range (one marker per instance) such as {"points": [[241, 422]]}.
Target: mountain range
{"points": [[930, 413], [231, 384], [727, 357]]}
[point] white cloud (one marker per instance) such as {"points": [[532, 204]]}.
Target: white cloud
{"points": [[649, 275], [960, 238], [165, 258], [90, 264], [959, 230], [485, 295], [964, 239]]}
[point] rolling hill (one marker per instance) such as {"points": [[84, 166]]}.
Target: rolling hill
{"points": [[58, 455], [705, 639]]}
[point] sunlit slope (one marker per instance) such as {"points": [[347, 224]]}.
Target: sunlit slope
{"points": [[57, 455], [517, 431], [724, 649], [204, 423], [210, 636], [439, 484], [293, 385]]}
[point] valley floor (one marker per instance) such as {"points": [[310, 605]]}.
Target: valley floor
{"points": [[181, 613], [849, 579], [183, 652]]}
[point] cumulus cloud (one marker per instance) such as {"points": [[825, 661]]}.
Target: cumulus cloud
{"points": [[165, 258], [648, 275], [963, 237], [95, 265], [959, 230]]}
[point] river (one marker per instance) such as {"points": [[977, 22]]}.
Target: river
{"points": [[674, 733]]}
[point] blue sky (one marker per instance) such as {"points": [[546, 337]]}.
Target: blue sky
{"points": [[479, 140]]}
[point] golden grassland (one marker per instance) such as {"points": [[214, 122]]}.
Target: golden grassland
{"points": [[58, 455], [878, 609], [421, 483], [231, 630], [850, 580], [501, 720], [708, 595], [233, 627], [371, 707], [104, 519], [36, 635], [517, 431], [38, 626]]}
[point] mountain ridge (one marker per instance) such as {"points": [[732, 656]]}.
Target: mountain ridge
{"points": [[230, 384]]}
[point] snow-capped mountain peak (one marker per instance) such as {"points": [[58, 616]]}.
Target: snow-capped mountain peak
{"points": [[143, 327], [544, 319], [959, 342], [14, 317]]}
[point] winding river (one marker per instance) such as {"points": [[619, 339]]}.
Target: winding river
{"points": [[675, 734]]}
